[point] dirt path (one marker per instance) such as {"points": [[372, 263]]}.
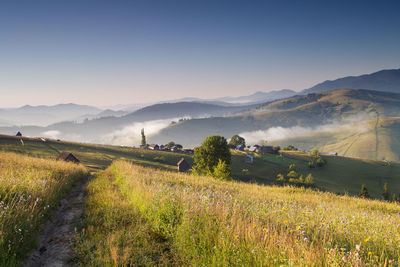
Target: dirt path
{"points": [[55, 240]]}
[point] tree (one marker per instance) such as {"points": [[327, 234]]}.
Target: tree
{"points": [[280, 177], [237, 140], [178, 146], [222, 171], [386, 193], [170, 144], [315, 153], [143, 143], [309, 179], [207, 156], [364, 192], [276, 149]]}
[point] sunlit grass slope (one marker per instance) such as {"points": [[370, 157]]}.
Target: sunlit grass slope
{"points": [[29, 189], [377, 139], [340, 175], [142, 216]]}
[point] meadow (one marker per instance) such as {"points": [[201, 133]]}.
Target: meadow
{"points": [[142, 216], [30, 188], [341, 175]]}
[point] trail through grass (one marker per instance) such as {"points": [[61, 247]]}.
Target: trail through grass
{"points": [[179, 219], [30, 189]]}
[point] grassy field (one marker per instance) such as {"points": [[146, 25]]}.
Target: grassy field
{"points": [[341, 174], [29, 189], [377, 139], [142, 216]]}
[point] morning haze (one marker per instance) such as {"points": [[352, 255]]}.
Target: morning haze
{"points": [[199, 133]]}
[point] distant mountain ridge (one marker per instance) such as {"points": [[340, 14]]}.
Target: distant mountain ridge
{"points": [[44, 115], [384, 80]]}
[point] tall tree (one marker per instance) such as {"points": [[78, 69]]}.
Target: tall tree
{"points": [[386, 193], [208, 156], [143, 143], [237, 140], [364, 192]]}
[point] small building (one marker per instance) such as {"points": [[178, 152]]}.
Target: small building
{"points": [[333, 153], [265, 149], [253, 149], [240, 148], [154, 147], [18, 134], [249, 159], [67, 156], [174, 149], [183, 165]]}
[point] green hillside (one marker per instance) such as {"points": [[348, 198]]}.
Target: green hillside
{"points": [[340, 175], [374, 139], [339, 107]]}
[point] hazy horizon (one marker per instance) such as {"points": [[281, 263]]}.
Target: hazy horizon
{"points": [[108, 53]]}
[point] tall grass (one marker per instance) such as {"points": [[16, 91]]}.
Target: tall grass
{"points": [[29, 189], [206, 222]]}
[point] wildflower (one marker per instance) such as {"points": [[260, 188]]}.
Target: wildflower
{"points": [[305, 239], [366, 239], [369, 253], [298, 228], [285, 221], [303, 232], [344, 258], [254, 226], [236, 236], [358, 247], [264, 229]]}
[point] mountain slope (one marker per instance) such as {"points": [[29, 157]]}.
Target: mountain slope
{"points": [[384, 80], [307, 113], [45, 115]]}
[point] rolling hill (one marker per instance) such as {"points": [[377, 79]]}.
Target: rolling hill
{"points": [[45, 115], [306, 112], [110, 129], [384, 80], [340, 175]]}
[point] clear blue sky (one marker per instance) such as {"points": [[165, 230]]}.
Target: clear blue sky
{"points": [[119, 52]]}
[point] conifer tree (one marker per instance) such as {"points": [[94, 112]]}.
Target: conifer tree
{"points": [[364, 192], [143, 143], [386, 193]]}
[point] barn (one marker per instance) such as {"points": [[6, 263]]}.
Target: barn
{"points": [[67, 156], [183, 165]]}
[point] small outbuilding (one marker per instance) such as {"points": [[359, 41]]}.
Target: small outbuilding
{"points": [[183, 165], [67, 156], [333, 153], [240, 148], [154, 147], [18, 134], [249, 159]]}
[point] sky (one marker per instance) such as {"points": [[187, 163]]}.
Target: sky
{"points": [[107, 53]]}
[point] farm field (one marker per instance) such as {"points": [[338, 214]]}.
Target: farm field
{"points": [[341, 175], [30, 188], [142, 216]]}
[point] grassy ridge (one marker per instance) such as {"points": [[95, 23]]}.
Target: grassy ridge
{"points": [[29, 189], [200, 221], [340, 175]]}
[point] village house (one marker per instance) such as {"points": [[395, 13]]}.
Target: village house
{"points": [[154, 147], [183, 165], [265, 149], [67, 156], [240, 148], [18, 134]]}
